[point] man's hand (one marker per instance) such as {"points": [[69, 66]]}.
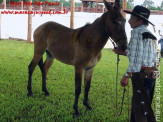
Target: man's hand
{"points": [[124, 81]]}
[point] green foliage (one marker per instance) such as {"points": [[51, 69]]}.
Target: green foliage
{"points": [[121, 1], [65, 2], [161, 5], [78, 3], [148, 3], [155, 8], [15, 57], [130, 4]]}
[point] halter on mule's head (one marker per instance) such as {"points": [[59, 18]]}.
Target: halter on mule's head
{"points": [[115, 24]]}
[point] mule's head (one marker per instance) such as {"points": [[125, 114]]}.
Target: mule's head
{"points": [[115, 24]]}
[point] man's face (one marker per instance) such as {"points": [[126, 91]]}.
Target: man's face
{"points": [[134, 21]]}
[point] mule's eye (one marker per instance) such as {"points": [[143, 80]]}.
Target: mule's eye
{"points": [[114, 22], [119, 22]]}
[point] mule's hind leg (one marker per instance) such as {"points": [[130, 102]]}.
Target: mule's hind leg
{"points": [[46, 66], [87, 83], [31, 67], [78, 79], [41, 65]]}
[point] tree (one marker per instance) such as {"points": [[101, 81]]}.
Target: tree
{"points": [[130, 4], [161, 5], [148, 3], [65, 2], [78, 3]]}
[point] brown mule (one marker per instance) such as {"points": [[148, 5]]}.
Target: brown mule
{"points": [[78, 47]]}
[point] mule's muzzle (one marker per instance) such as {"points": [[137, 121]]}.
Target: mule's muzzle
{"points": [[122, 45]]}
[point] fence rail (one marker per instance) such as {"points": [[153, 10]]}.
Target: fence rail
{"points": [[67, 8], [55, 8]]}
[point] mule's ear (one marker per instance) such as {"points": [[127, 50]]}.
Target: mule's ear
{"points": [[117, 4], [107, 5]]}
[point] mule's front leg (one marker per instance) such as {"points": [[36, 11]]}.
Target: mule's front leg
{"points": [[29, 87], [78, 79], [87, 83]]}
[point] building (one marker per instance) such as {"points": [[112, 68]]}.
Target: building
{"points": [[94, 3]]}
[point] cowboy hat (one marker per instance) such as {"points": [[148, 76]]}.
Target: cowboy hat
{"points": [[140, 12]]}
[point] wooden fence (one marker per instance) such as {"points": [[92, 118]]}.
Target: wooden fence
{"points": [[67, 8], [54, 8]]}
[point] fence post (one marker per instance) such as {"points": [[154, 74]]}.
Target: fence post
{"points": [[103, 9], [40, 7], [29, 22], [72, 14], [96, 7], [21, 5], [124, 5], [4, 2], [81, 8], [61, 6]]}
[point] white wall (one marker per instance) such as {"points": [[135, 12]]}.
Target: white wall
{"points": [[16, 25]]}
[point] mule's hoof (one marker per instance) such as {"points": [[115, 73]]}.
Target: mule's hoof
{"points": [[87, 105], [47, 93], [76, 114], [29, 94]]}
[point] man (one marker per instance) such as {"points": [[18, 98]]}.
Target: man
{"points": [[161, 40], [142, 55]]}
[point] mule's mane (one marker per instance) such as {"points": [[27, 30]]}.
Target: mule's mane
{"points": [[83, 28], [103, 28], [101, 19], [101, 22]]}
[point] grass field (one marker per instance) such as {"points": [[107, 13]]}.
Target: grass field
{"points": [[16, 106]]}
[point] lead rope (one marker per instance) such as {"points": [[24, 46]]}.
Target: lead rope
{"points": [[128, 97], [124, 90]]}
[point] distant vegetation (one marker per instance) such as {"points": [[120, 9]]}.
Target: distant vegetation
{"points": [[147, 3], [130, 3]]}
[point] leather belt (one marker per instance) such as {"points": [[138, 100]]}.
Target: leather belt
{"points": [[144, 67]]}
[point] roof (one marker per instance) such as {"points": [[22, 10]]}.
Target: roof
{"points": [[99, 1]]}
